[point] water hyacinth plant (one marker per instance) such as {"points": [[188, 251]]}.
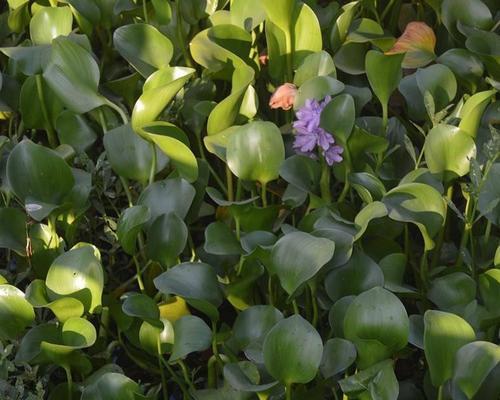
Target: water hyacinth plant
{"points": [[249, 199]]}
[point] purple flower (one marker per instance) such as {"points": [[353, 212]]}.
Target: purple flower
{"points": [[309, 135]]}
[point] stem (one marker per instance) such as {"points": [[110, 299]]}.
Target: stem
{"points": [[145, 11], [118, 109], [229, 183], [69, 379], [180, 36], [465, 235], [295, 307], [164, 384], [210, 168], [127, 191], [325, 182], [487, 231], [424, 269], [315, 308], [386, 9], [270, 290], [215, 349], [51, 135], [152, 171], [185, 374], [289, 59], [288, 391], [385, 117], [439, 245], [263, 194], [440, 393], [139, 276]]}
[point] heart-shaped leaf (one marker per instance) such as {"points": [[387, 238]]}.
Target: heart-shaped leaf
{"points": [[192, 334], [50, 22], [338, 355], [15, 312]]}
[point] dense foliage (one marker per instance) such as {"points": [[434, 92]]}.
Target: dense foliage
{"points": [[244, 199]]}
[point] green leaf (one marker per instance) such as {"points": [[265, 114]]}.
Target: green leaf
{"points": [[220, 240], [489, 204], [77, 273], [111, 386], [448, 150], [420, 204], [338, 117], [384, 73], [74, 130], [144, 47], [191, 335], [256, 151], [485, 45], [13, 230], [50, 22], [350, 58], [15, 312], [473, 363], [338, 355], [316, 64], [372, 211], [317, 88], [159, 89], [378, 382], [196, 283], [440, 82], [377, 323], [170, 195], [360, 273], [253, 324], [298, 257], [302, 172], [174, 143], [444, 334], [130, 224], [489, 288], [141, 306], [342, 24], [192, 10], [73, 74], [472, 112], [453, 291], [39, 178], [473, 13], [166, 239], [293, 350], [244, 376], [466, 67], [130, 155]]}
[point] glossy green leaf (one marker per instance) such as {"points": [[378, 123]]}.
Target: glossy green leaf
{"points": [[377, 323], [15, 312], [473, 363], [489, 204], [166, 238], [472, 13], [472, 112], [74, 130], [111, 386], [77, 273], [317, 88], [141, 306], [448, 150], [485, 45], [73, 74], [360, 273], [220, 240], [420, 204], [130, 224], [50, 22], [468, 69], [444, 334], [378, 382], [338, 117], [489, 288], [338, 355], [144, 47], [39, 178], [302, 172], [192, 11], [170, 195], [256, 152], [452, 291], [13, 230], [130, 155], [384, 73], [316, 64], [192, 334], [297, 257], [342, 24], [293, 351], [440, 82], [196, 283], [244, 376]]}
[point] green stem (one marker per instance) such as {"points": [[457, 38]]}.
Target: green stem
{"points": [[229, 184], [164, 384], [185, 374], [145, 11], [152, 171], [215, 349], [69, 379], [325, 181], [487, 231], [386, 9], [51, 135], [263, 194], [118, 109], [424, 270], [175, 377], [314, 307], [439, 245], [180, 36], [210, 168], [289, 57], [440, 393], [385, 117], [465, 235], [288, 391], [53, 3], [127, 191], [270, 290], [295, 307], [139, 275]]}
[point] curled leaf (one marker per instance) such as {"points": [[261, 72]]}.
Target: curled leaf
{"points": [[418, 42]]}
